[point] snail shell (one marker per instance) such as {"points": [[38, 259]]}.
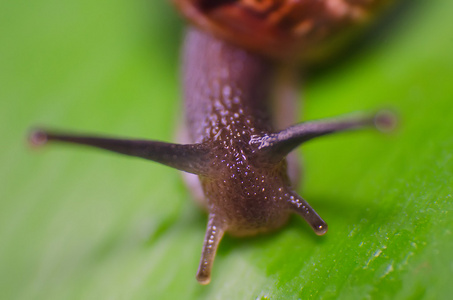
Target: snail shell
{"points": [[306, 30]]}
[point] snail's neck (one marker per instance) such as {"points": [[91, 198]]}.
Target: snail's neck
{"points": [[226, 88]]}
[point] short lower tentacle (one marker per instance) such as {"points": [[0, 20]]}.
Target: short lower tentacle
{"points": [[214, 233]]}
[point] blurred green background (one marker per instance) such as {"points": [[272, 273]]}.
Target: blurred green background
{"points": [[79, 224]]}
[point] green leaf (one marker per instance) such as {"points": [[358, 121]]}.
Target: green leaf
{"points": [[79, 224]]}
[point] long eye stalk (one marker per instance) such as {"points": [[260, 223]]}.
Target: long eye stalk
{"points": [[277, 145], [191, 158]]}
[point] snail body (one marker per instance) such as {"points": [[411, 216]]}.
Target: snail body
{"points": [[235, 146]]}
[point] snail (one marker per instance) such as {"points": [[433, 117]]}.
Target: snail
{"points": [[234, 54]]}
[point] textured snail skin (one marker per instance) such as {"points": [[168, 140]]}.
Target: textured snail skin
{"points": [[235, 148], [222, 111]]}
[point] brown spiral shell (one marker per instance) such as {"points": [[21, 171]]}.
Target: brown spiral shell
{"points": [[300, 29]]}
